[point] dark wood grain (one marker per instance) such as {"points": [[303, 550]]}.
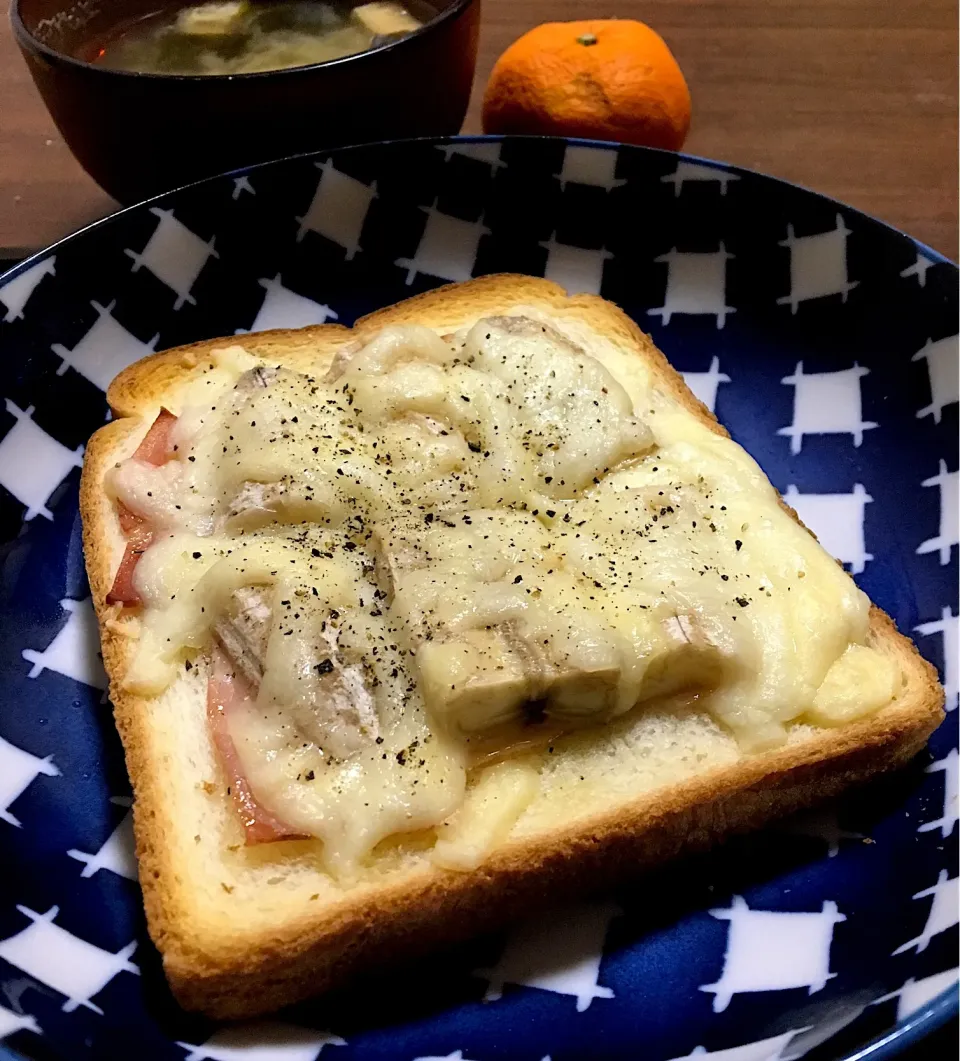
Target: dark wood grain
{"points": [[855, 98]]}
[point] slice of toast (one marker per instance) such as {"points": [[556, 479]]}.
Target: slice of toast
{"points": [[245, 930]]}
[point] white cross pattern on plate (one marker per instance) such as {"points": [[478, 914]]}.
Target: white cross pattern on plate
{"points": [[704, 384], [696, 284], [826, 403], [174, 255], [837, 520], [579, 270], [18, 768], [559, 952], [489, 153], [915, 994], [919, 269], [117, 853], [105, 349], [15, 293], [949, 629], [457, 1055], [691, 171], [771, 1049], [338, 208], [949, 533], [447, 248], [943, 369], [11, 1022], [820, 824], [771, 950], [283, 308], [948, 766], [262, 1041], [32, 463], [64, 962], [242, 184], [589, 165], [818, 265], [74, 650], [944, 912]]}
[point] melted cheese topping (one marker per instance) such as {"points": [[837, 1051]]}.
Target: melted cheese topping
{"points": [[443, 539]]}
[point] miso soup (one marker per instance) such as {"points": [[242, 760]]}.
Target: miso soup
{"points": [[251, 36]]}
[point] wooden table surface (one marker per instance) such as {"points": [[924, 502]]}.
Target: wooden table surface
{"points": [[855, 98]]}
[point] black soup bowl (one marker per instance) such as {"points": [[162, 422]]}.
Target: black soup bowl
{"points": [[138, 134]]}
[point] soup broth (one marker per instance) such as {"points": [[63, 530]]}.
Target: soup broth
{"points": [[252, 36]]}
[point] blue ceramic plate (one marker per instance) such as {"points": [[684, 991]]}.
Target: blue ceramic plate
{"points": [[825, 341]]}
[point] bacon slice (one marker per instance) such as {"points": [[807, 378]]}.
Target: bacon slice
{"points": [[155, 449], [130, 522], [228, 691], [139, 536]]}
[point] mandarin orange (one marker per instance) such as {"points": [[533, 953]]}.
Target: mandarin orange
{"points": [[606, 79]]}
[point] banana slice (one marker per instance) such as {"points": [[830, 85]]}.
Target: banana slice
{"points": [[475, 682], [502, 631], [685, 657], [485, 678], [244, 628]]}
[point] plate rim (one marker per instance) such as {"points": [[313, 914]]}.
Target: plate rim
{"points": [[946, 1005], [472, 138], [906, 1033]]}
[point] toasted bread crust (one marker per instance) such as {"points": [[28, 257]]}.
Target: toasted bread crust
{"points": [[322, 946]]}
